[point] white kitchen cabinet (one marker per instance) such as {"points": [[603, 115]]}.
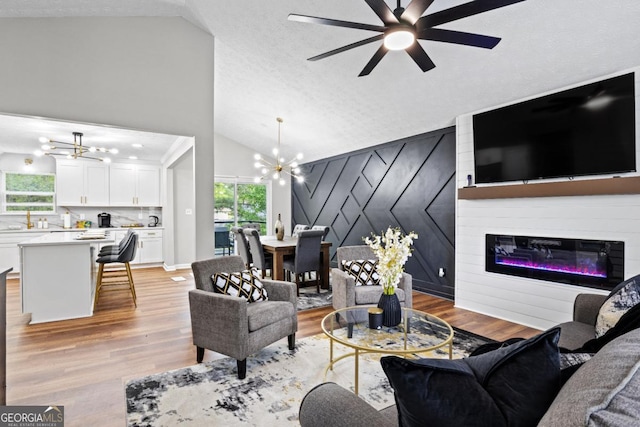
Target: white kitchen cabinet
{"points": [[150, 246], [134, 185], [9, 251], [82, 183]]}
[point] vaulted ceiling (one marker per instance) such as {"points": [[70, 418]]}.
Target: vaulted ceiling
{"points": [[262, 72]]}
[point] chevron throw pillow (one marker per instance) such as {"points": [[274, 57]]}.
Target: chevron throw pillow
{"points": [[244, 284], [363, 270]]}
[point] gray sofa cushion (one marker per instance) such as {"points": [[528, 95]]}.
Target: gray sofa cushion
{"points": [[621, 407], [265, 313], [591, 386], [328, 404], [573, 335]]}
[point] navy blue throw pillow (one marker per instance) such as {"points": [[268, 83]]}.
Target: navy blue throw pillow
{"points": [[510, 386]]}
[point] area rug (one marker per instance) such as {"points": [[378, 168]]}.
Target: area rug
{"points": [[309, 299], [277, 380]]}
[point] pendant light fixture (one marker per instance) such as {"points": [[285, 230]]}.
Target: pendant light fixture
{"points": [[74, 150], [280, 168]]}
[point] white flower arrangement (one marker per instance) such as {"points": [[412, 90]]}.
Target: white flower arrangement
{"points": [[392, 249]]}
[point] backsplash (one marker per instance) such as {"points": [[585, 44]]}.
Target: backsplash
{"points": [[119, 216]]}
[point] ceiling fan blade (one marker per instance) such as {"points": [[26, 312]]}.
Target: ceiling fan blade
{"points": [[417, 53], [334, 22], [461, 11], [347, 47], [415, 9], [377, 57], [383, 11], [459, 37]]}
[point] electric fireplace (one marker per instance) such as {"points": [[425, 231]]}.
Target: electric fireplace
{"points": [[592, 263]]}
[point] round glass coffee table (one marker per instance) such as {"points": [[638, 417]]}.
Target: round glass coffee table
{"points": [[417, 333]]}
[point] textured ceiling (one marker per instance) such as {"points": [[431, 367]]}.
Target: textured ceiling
{"points": [[262, 72]]}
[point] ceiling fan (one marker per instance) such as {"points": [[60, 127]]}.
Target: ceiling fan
{"points": [[403, 26]]}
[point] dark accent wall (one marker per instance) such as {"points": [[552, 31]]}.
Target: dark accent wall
{"points": [[408, 183]]}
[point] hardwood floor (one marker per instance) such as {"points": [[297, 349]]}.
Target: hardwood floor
{"points": [[83, 364]]}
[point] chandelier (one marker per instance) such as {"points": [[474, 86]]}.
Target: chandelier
{"points": [[280, 168], [74, 150]]}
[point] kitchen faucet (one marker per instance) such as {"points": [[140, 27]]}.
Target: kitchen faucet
{"points": [[29, 223]]}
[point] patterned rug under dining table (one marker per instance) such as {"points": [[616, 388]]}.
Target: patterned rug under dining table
{"points": [[287, 246]]}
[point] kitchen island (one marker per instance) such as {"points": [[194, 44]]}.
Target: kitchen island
{"points": [[57, 280]]}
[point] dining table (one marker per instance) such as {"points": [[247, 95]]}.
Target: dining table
{"points": [[287, 246]]}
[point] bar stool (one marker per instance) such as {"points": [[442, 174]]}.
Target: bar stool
{"points": [[125, 256]]}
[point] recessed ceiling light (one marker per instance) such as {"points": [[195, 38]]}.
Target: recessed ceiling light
{"points": [[133, 157], [137, 145]]}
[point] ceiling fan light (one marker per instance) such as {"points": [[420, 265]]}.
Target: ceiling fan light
{"points": [[399, 38]]}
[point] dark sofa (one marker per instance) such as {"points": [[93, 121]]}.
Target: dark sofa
{"points": [[604, 391]]}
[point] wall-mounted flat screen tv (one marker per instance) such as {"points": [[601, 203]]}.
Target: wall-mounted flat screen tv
{"points": [[587, 130]]}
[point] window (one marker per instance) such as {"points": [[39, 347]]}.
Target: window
{"points": [[28, 192], [240, 203]]}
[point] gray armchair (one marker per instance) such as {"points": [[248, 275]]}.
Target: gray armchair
{"points": [[582, 328], [347, 294], [233, 327]]}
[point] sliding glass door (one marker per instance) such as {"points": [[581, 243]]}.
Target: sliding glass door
{"points": [[239, 202]]}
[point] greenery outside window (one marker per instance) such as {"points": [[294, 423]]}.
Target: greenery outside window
{"points": [[24, 192], [239, 202]]}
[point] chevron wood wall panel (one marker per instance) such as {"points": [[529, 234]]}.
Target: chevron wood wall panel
{"points": [[408, 183]]}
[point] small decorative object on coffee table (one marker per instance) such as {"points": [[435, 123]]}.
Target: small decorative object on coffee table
{"points": [[375, 318], [392, 249]]}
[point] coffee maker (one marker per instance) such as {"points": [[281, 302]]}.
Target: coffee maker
{"points": [[104, 220]]}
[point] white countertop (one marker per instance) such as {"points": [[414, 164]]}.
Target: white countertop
{"points": [[68, 230], [64, 239]]}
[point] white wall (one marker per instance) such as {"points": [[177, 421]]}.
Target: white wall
{"points": [[232, 159], [535, 303], [152, 74], [182, 178]]}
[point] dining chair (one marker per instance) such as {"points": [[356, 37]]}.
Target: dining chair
{"points": [[242, 246], [324, 228], [222, 239], [261, 260], [253, 225], [298, 228], [306, 258], [125, 256]]}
